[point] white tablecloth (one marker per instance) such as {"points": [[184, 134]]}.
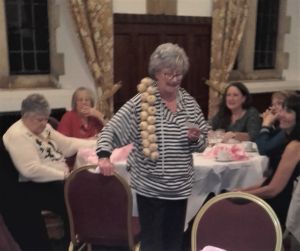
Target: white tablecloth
{"points": [[209, 176], [213, 176]]}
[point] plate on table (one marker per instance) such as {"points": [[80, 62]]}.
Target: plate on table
{"points": [[223, 160], [252, 150]]}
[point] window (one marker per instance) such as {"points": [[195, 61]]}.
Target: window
{"points": [[27, 38], [266, 34], [261, 55]]}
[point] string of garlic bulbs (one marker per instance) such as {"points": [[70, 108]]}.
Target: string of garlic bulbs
{"points": [[147, 125]]}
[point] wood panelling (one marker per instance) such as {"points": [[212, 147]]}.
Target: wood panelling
{"points": [[167, 7], [261, 101], [136, 37]]}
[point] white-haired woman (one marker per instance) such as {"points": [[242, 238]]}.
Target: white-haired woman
{"points": [[38, 153], [165, 125], [83, 121]]}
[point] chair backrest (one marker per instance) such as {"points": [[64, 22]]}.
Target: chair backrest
{"points": [[237, 221], [99, 208]]}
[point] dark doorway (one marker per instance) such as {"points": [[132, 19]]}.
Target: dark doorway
{"points": [[135, 38]]}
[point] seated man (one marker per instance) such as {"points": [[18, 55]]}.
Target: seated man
{"points": [[38, 153]]}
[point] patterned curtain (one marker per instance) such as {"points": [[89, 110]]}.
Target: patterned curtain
{"points": [[94, 23], [228, 23]]}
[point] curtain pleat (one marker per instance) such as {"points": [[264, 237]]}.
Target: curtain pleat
{"points": [[228, 22], [94, 23]]}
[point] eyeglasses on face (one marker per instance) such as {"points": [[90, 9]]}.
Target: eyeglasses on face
{"points": [[173, 76]]}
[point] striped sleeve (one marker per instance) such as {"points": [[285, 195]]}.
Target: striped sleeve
{"points": [[120, 130]]}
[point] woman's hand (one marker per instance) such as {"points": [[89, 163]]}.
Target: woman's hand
{"points": [[92, 112], [229, 135], [269, 117], [193, 134], [106, 167]]}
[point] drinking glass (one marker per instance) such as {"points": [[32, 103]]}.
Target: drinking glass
{"points": [[219, 135], [211, 138]]}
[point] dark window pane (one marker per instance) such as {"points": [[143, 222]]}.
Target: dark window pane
{"points": [[43, 62], [27, 39], [14, 41], [42, 40], [15, 62], [12, 17], [41, 15], [29, 62], [266, 34], [28, 35], [26, 16]]}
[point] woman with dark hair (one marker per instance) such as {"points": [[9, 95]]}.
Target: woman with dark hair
{"points": [[236, 116], [269, 143], [277, 189]]}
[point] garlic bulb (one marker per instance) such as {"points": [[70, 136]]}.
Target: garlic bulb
{"points": [[144, 134], [151, 120], [151, 110], [143, 125], [145, 107], [152, 138], [154, 155], [147, 115], [151, 129], [144, 116], [150, 99]]}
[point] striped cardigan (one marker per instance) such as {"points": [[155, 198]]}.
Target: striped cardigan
{"points": [[171, 175]]}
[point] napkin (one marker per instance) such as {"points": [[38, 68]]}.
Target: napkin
{"points": [[118, 155], [212, 248], [235, 151]]}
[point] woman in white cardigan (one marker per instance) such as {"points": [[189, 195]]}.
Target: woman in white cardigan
{"points": [[38, 153]]}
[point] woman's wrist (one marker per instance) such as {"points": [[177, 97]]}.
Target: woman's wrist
{"points": [[266, 127], [66, 174]]}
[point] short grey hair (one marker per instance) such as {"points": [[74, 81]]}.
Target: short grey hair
{"points": [[168, 56], [35, 103], [74, 96]]}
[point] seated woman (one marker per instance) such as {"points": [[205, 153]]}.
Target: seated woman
{"points": [[236, 116], [38, 153], [277, 189], [271, 137], [83, 121]]}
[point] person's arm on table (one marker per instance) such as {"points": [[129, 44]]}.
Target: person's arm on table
{"points": [[70, 145], [27, 161]]}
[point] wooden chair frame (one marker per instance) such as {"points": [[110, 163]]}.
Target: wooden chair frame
{"points": [[237, 195], [74, 238]]}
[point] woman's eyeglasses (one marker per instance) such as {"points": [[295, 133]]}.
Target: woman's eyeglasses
{"points": [[173, 76]]}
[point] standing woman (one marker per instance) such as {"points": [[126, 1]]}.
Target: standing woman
{"points": [[236, 116], [83, 121], [165, 125]]}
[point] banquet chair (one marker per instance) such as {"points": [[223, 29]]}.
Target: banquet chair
{"points": [[100, 210], [236, 221]]}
